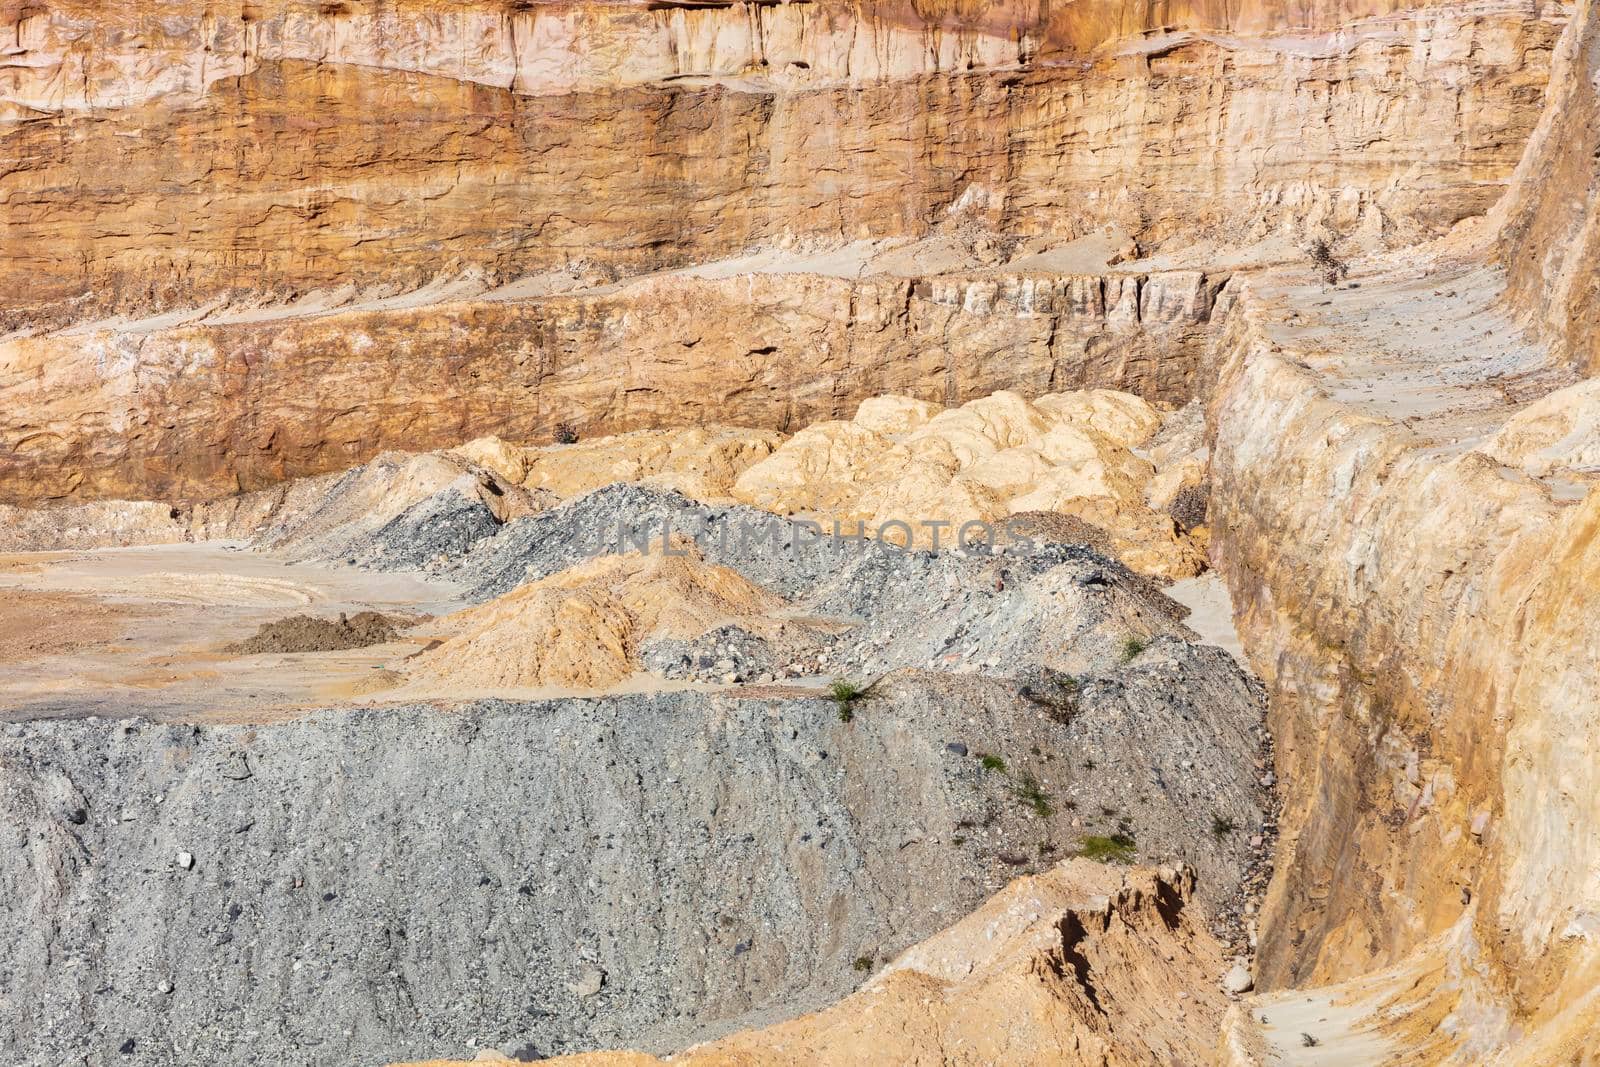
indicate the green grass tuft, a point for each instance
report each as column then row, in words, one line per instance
column 1118, row 848
column 844, row 695
column 1131, row 647
column 1030, row 793
column 992, row 763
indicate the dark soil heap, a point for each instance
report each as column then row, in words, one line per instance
column 304, row 633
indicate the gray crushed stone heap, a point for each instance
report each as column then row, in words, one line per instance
column 646, row 871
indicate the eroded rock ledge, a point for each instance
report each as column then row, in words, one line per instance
column 240, row 402
column 161, row 156
column 1419, row 606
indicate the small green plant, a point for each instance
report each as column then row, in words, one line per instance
column 958, row 839
column 844, row 695
column 863, row 963
column 1131, row 647
column 1030, row 793
column 1221, row 826
column 992, row 763
column 1118, row 848
column 565, row 434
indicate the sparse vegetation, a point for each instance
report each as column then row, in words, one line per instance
column 959, row 840
column 1032, row 794
column 1131, row 647
column 992, row 763
column 1221, row 826
column 1332, row 267
column 1309, row 1041
column 844, row 695
column 863, row 963
column 565, row 434
column 1117, row 848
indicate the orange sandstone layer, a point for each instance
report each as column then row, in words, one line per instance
column 164, row 155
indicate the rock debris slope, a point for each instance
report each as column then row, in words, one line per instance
column 1054, row 969
column 644, row 871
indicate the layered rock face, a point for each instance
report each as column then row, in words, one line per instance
column 1426, row 638
column 278, row 147
column 307, row 157
column 199, row 410
column 1549, row 236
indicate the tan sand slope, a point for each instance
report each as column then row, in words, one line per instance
column 701, row 461
column 911, row 461
column 583, row 627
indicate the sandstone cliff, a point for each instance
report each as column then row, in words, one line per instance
column 243, row 401
column 237, row 168
column 1424, row 637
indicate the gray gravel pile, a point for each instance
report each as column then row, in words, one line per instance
column 371, row 885
column 1061, row 606
column 784, row 556
column 427, row 535
column 728, row 654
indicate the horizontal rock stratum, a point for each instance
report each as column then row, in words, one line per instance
column 252, row 241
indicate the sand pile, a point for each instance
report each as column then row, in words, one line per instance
column 1557, row 434
column 585, row 627
column 700, row 462
column 905, row 460
column 306, row 633
column 1085, row 963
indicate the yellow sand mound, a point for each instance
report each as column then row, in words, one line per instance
column 906, row 460
column 582, row 628
column 701, row 462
